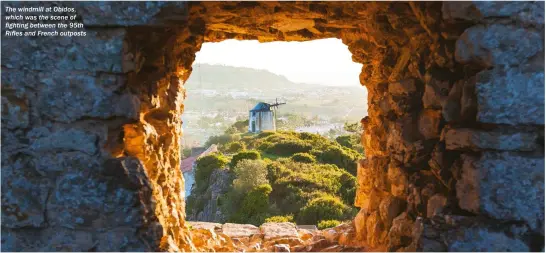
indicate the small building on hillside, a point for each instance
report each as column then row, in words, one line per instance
column 261, row 118
column 188, row 167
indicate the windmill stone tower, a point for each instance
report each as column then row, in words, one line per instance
column 263, row 117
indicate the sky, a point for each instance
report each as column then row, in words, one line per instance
column 326, row 61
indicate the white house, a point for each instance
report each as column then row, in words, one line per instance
column 261, row 118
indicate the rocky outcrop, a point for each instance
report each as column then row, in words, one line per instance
column 208, row 210
column 91, row 125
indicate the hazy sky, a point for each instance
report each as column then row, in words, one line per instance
column 326, row 61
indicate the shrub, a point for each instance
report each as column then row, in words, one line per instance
column 345, row 140
column 247, row 140
column 234, row 147
column 289, row 147
column 222, row 139
column 339, row 156
column 265, row 134
column 206, row 164
column 255, row 206
column 285, row 218
column 265, row 145
column 324, row 224
column 244, row 155
column 351, row 141
column 275, row 171
column 348, row 187
column 303, row 158
column 322, row 208
column 249, row 174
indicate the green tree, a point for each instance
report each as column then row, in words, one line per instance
column 249, row 174
column 206, row 164
column 352, row 127
column 255, row 206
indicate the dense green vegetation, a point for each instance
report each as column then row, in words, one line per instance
column 282, row 176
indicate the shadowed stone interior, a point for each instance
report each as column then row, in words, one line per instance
column 91, row 126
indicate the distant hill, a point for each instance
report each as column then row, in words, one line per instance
column 206, row 76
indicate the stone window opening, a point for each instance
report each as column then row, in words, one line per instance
column 453, row 138
column 198, row 86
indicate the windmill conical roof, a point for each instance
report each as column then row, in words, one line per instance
column 261, row 106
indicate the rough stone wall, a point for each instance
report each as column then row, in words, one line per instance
column 90, row 132
column 454, row 137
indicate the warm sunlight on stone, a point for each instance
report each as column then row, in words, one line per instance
column 453, row 138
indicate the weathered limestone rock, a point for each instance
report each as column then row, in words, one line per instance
column 239, row 230
column 451, row 109
column 50, row 239
column 401, row 99
column 403, row 141
column 460, row 233
column 511, row 96
column 400, row 232
column 398, row 180
column 435, row 205
column 360, row 225
column 282, row 248
column 71, row 139
column 504, row 186
column 15, row 111
column 429, row 123
column 219, row 183
column 274, row 237
column 402, row 88
column 273, row 230
column 527, row 12
column 389, row 208
column 69, row 96
column 497, row 45
column 376, row 232
column 372, row 173
column 475, row 239
column 471, row 139
column 24, row 194
column 437, row 86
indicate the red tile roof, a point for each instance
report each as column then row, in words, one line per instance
column 187, row 164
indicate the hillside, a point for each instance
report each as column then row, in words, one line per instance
column 275, row 176
column 220, row 95
column 219, row 77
